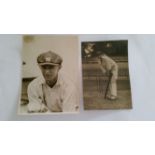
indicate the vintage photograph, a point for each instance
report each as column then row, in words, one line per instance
column 50, row 74
column 105, row 72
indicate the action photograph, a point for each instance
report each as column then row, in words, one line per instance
column 105, row 72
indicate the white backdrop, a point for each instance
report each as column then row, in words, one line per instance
column 142, row 73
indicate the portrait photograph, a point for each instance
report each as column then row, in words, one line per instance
column 105, row 73
column 50, row 74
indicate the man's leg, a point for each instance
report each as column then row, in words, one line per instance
column 113, row 84
column 108, row 86
column 113, row 89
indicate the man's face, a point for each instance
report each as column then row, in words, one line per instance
column 50, row 72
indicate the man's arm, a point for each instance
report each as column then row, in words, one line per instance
column 102, row 69
column 35, row 100
column 101, row 66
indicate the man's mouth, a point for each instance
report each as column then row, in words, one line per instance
column 48, row 78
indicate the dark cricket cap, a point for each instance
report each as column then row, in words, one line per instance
column 49, row 58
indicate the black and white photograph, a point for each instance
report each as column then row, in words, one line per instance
column 105, row 72
column 50, row 82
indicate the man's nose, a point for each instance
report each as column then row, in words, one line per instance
column 47, row 71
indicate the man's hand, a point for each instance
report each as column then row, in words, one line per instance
column 37, row 108
column 43, row 108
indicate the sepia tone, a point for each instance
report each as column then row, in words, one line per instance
column 44, row 56
column 96, row 83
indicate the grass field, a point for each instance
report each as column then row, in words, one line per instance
column 95, row 101
column 94, row 86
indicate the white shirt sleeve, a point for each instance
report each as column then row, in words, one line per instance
column 102, row 69
column 102, row 66
column 35, row 100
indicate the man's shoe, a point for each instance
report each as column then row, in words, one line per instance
column 111, row 97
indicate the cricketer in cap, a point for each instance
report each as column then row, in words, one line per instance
column 53, row 91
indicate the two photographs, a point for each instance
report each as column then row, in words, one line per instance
column 51, row 75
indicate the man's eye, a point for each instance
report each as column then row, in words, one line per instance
column 48, row 67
